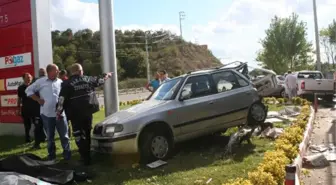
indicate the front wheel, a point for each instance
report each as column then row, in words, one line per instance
column 155, row 145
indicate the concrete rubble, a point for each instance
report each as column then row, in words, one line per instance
column 321, row 155
column 268, row 130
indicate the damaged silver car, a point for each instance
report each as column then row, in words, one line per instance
column 183, row 108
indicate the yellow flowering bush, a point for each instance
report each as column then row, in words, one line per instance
column 260, row 177
column 271, row 171
column 238, row 181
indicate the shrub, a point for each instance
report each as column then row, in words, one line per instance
column 281, row 100
column 238, row 181
column 274, row 162
column 260, row 177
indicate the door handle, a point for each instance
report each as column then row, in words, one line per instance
column 212, row 102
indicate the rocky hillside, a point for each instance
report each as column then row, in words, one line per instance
column 166, row 51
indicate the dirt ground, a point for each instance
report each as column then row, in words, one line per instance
column 324, row 133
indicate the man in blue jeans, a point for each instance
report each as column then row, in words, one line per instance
column 49, row 88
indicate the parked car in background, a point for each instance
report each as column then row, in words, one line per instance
column 313, row 82
column 267, row 84
column 280, row 79
column 183, row 108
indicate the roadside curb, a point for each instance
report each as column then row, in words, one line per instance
column 304, row 145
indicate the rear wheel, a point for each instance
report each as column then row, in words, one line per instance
column 257, row 114
column 155, row 144
column 283, row 93
column 329, row 98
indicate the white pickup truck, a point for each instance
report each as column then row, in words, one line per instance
column 313, row 82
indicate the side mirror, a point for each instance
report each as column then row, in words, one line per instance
column 186, row 94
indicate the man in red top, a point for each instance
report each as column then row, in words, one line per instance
column 63, row 75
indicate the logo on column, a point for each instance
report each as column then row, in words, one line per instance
column 9, row 100
column 13, row 83
column 23, row 59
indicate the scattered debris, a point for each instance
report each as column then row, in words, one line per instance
column 287, row 115
column 316, row 160
column 238, row 138
column 272, row 132
column 209, row 181
column 156, row 164
column 273, row 120
column 318, row 148
column 321, row 156
column 291, row 111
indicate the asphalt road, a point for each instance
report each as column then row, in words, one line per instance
column 126, row 97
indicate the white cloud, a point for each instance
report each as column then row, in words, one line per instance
column 234, row 35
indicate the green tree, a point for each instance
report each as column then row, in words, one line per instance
column 329, row 47
column 285, row 45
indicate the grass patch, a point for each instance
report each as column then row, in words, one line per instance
column 194, row 162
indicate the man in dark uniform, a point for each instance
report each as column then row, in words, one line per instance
column 79, row 99
column 63, row 75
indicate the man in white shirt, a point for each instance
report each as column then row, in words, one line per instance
column 49, row 88
column 291, row 85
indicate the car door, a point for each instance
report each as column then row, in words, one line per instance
column 234, row 96
column 195, row 114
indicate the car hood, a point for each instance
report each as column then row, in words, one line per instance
column 133, row 111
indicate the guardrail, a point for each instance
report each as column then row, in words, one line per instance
column 127, row 91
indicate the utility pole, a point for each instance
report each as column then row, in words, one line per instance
column 108, row 52
column 317, row 39
column 147, row 57
column 181, row 17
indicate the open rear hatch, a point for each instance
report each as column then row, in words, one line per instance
column 264, row 80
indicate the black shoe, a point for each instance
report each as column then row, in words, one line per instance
column 28, row 141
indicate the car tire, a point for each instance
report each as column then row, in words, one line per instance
column 155, row 144
column 283, row 93
column 257, row 114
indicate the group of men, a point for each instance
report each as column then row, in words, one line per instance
column 53, row 99
column 159, row 78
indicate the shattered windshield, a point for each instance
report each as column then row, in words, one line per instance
column 166, row 90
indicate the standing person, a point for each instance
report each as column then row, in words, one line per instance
column 154, row 84
column 42, row 72
column 24, row 104
column 49, row 88
column 291, row 85
column 78, row 96
column 164, row 76
column 30, row 111
column 63, row 75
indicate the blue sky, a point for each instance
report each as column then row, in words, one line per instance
column 232, row 29
column 147, row 12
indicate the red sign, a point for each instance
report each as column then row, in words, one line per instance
column 14, row 13
column 10, row 115
column 16, row 53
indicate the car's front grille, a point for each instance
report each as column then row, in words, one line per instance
column 98, row 130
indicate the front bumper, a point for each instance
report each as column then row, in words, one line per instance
column 126, row 144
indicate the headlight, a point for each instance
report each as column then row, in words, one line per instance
column 113, row 128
